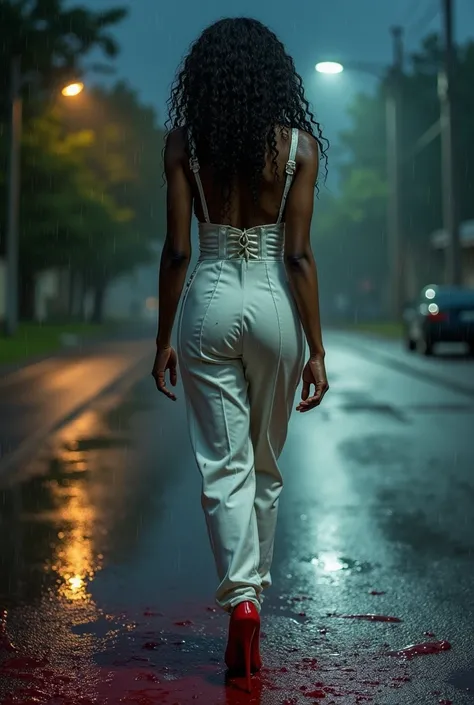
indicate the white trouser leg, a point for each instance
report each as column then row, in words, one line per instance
column 219, row 423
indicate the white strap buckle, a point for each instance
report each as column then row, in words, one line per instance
column 194, row 165
column 290, row 167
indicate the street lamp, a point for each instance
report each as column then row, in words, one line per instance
column 330, row 67
column 13, row 192
column 72, row 89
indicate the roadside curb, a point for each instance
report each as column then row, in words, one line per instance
column 27, row 448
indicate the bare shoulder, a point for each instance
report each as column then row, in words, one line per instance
column 308, row 149
column 175, row 148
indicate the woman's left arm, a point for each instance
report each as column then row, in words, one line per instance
column 175, row 257
column 176, row 252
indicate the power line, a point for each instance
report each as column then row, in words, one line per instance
column 431, row 12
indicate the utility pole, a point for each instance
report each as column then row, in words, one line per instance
column 449, row 150
column 394, row 151
column 13, row 203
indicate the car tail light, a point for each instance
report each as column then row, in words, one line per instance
column 438, row 316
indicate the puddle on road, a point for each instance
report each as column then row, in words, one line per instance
column 58, row 513
column 329, row 562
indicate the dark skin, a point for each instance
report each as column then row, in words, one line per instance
column 300, row 265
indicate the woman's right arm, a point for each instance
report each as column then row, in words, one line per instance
column 301, row 267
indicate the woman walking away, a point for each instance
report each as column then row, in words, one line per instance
column 243, row 153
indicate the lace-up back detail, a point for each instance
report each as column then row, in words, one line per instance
column 257, row 243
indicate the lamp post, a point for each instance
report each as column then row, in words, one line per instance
column 13, row 191
column 449, row 149
column 394, row 151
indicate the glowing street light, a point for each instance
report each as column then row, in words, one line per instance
column 329, row 67
column 72, row 89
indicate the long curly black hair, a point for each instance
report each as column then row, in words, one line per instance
column 235, row 86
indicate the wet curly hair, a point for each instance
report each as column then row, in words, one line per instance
column 234, row 87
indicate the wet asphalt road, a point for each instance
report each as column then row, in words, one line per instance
column 108, row 580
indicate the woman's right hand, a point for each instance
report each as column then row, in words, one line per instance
column 314, row 373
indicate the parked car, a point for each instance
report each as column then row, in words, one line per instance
column 441, row 314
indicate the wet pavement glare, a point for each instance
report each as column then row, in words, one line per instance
column 107, row 579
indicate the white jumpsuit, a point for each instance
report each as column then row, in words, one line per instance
column 241, row 353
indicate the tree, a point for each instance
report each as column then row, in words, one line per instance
column 125, row 156
column 91, row 197
column 68, row 219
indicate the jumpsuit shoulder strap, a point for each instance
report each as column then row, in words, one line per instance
column 194, row 166
column 290, row 170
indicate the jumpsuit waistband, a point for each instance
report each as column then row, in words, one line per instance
column 264, row 242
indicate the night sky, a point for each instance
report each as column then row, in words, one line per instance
column 157, row 33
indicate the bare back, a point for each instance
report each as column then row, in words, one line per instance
column 244, row 212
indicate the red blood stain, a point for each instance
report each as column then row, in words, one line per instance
column 184, row 623
column 423, row 649
column 376, row 592
column 301, row 614
column 147, row 677
column 21, row 663
column 369, row 617
column 445, row 702
column 149, row 613
column 151, row 645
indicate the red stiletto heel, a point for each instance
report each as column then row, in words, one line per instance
column 242, row 652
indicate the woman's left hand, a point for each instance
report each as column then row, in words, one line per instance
column 165, row 359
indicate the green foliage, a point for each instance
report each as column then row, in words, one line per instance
column 68, row 218
column 90, row 191
column 125, row 155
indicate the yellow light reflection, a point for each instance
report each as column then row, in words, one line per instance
column 75, row 561
column 76, row 583
column 72, row 89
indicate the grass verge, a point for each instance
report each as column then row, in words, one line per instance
column 36, row 339
column 386, row 329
